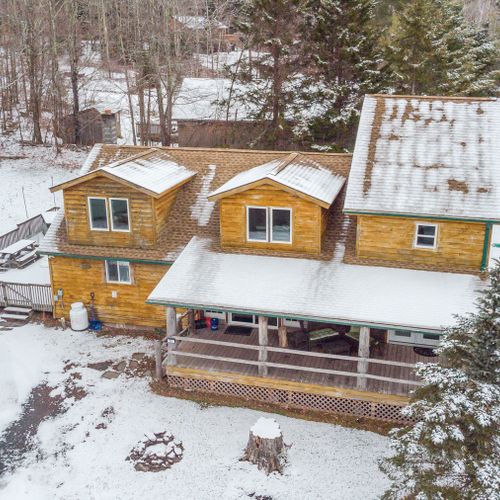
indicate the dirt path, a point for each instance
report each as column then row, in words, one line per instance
column 20, row 437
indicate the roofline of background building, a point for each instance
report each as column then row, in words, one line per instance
column 431, row 97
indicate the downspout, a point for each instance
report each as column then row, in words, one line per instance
column 484, row 260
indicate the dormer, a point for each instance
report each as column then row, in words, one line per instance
column 124, row 204
column 281, row 205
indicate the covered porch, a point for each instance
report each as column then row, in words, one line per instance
column 319, row 354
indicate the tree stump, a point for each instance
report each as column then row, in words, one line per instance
column 265, row 446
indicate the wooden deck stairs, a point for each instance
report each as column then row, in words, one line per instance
column 12, row 313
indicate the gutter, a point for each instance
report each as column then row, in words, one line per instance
column 95, row 257
column 416, row 216
column 382, row 326
column 484, row 258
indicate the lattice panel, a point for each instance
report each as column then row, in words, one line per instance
column 295, row 399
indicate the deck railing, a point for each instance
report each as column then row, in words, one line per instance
column 35, row 296
column 361, row 376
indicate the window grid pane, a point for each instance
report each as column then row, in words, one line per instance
column 257, row 224
column 112, row 267
column 119, row 215
column 98, row 215
column 124, row 270
column 281, row 225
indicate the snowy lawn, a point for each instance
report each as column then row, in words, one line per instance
column 80, row 453
column 35, row 169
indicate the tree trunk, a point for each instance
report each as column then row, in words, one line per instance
column 265, row 446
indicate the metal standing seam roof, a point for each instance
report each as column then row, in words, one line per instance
column 427, row 156
column 153, row 170
column 316, row 290
column 295, row 172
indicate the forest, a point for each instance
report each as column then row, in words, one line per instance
column 300, row 68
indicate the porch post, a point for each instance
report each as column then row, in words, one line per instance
column 282, row 337
column 191, row 321
column 171, row 332
column 363, row 352
column 263, row 342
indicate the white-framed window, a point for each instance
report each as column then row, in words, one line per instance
column 118, row 271
column 281, row 225
column 257, row 228
column 426, row 235
column 120, row 214
column 98, row 214
column 414, row 338
column 269, row 224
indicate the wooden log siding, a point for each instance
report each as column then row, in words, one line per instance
column 37, row 297
column 78, row 277
column 260, row 362
column 162, row 207
column 142, row 215
column 307, row 220
column 391, row 239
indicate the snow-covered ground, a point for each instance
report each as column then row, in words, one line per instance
column 81, row 454
column 36, row 273
column 33, row 169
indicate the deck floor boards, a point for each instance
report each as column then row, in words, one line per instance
column 390, row 352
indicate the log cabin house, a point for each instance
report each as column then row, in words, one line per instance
column 312, row 280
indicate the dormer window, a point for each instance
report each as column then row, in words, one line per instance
column 269, row 224
column 98, row 214
column 120, row 218
column 426, row 236
column 103, row 212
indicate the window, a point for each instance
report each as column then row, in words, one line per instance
column 269, row 224
column 257, row 224
column 119, row 214
column 98, row 213
column 425, row 236
column 118, row 271
column 281, row 219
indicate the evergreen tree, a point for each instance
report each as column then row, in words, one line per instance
column 269, row 28
column 434, row 51
column 342, row 62
column 453, row 450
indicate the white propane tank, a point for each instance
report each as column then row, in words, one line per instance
column 78, row 316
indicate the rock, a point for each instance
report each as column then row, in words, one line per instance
column 120, row 367
column 110, row 375
column 137, row 356
column 133, row 365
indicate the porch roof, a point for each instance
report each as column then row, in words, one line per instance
column 316, row 290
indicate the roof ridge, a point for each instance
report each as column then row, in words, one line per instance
column 284, row 163
column 117, row 163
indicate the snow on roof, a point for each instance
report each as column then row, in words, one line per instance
column 427, row 156
column 153, row 170
column 204, row 99
column 296, row 172
column 317, row 290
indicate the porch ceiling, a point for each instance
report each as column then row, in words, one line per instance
column 315, row 290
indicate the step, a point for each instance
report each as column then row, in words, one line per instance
column 19, row 317
column 16, row 309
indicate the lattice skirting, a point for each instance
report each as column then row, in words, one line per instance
column 293, row 399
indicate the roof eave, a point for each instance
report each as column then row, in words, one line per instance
column 414, row 215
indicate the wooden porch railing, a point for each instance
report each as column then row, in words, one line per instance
column 359, row 376
column 37, row 297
